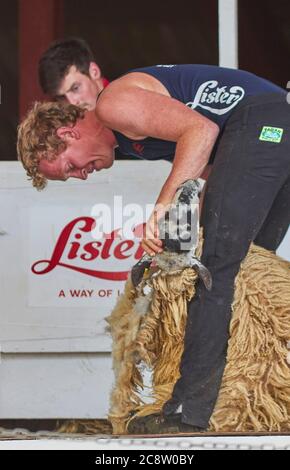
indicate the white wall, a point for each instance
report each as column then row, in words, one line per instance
column 55, row 359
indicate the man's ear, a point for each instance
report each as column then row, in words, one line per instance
column 94, row 71
column 67, row 133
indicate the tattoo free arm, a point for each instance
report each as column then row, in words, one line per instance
column 138, row 113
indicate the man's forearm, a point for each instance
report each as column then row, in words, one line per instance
column 206, row 172
column 191, row 158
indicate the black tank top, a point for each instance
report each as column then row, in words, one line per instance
column 213, row 91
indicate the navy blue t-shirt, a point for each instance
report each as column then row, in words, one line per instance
column 214, row 92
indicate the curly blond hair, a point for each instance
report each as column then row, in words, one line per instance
column 37, row 136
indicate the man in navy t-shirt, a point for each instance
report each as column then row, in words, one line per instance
column 191, row 115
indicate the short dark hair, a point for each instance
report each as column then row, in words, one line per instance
column 58, row 58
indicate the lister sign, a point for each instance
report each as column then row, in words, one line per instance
column 76, row 251
column 61, row 269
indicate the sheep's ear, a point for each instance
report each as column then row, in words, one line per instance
column 203, row 273
column 138, row 269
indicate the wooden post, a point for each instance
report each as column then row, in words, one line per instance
column 40, row 23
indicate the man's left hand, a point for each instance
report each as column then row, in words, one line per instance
column 151, row 243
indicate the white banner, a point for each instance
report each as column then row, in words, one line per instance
column 60, row 279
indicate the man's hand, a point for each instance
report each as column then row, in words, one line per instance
column 151, row 243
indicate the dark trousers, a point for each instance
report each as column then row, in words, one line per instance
column 247, row 199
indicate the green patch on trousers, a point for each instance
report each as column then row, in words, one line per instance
column 271, row 134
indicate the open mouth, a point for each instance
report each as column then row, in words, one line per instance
column 97, row 164
column 90, row 168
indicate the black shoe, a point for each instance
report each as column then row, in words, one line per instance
column 161, row 424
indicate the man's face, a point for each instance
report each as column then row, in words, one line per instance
column 90, row 147
column 80, row 89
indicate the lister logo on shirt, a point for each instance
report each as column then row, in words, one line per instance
column 210, row 94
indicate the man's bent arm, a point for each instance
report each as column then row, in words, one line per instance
column 136, row 111
column 184, row 165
